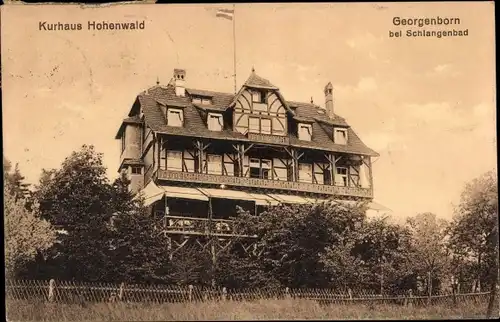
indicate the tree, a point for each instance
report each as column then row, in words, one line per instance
column 78, row 200
column 474, row 231
column 25, row 234
column 374, row 256
column 429, row 253
column 138, row 253
column 15, row 181
column 237, row 269
column 293, row 238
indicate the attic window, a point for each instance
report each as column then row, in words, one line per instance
column 215, row 122
column 258, row 96
column 340, row 136
column 305, row 132
column 174, row 117
column 202, row 100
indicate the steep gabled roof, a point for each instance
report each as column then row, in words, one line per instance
column 154, row 98
column 220, row 101
column 194, row 125
column 259, row 82
column 313, row 113
column 255, row 81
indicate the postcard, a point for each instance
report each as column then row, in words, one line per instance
column 251, row 160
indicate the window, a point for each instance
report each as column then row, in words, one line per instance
column 214, row 164
column 258, row 96
column 265, row 126
column 174, row 160
column 340, row 136
column 136, row 170
column 305, row 132
column 341, row 177
column 259, row 125
column 215, row 122
column 189, row 161
column 254, row 125
column 260, row 168
column 201, row 100
column 163, row 157
column 174, row 117
column 305, row 172
column 326, row 176
column 123, row 141
column 265, row 169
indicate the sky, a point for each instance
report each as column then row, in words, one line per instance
column 426, row 105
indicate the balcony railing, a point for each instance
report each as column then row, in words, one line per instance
column 199, row 226
column 266, row 138
column 264, row 183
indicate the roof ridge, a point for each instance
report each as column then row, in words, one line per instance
column 255, row 80
column 209, row 90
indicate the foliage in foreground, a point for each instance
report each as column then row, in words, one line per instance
column 252, row 310
column 111, row 238
column 26, row 234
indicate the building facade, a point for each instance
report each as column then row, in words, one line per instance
column 197, row 154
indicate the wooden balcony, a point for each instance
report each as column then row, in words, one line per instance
column 268, row 139
column 197, row 226
column 264, row 183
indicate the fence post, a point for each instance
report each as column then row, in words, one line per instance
column 454, row 292
column 287, row 293
column 410, row 298
column 190, row 293
column 121, row 291
column 224, row 293
column 52, row 287
column 350, row 293
column 429, row 285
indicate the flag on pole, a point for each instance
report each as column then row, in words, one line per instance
column 225, row 13
column 229, row 14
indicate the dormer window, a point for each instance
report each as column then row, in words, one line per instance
column 175, row 117
column 202, row 100
column 215, row 122
column 305, row 132
column 340, row 136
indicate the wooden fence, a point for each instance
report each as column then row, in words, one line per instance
column 77, row 292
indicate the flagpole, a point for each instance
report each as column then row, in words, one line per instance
column 234, row 45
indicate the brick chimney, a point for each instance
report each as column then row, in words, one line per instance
column 179, row 82
column 329, row 100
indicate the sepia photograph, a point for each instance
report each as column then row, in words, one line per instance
column 249, row 161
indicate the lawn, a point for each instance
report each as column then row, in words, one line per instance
column 232, row 310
